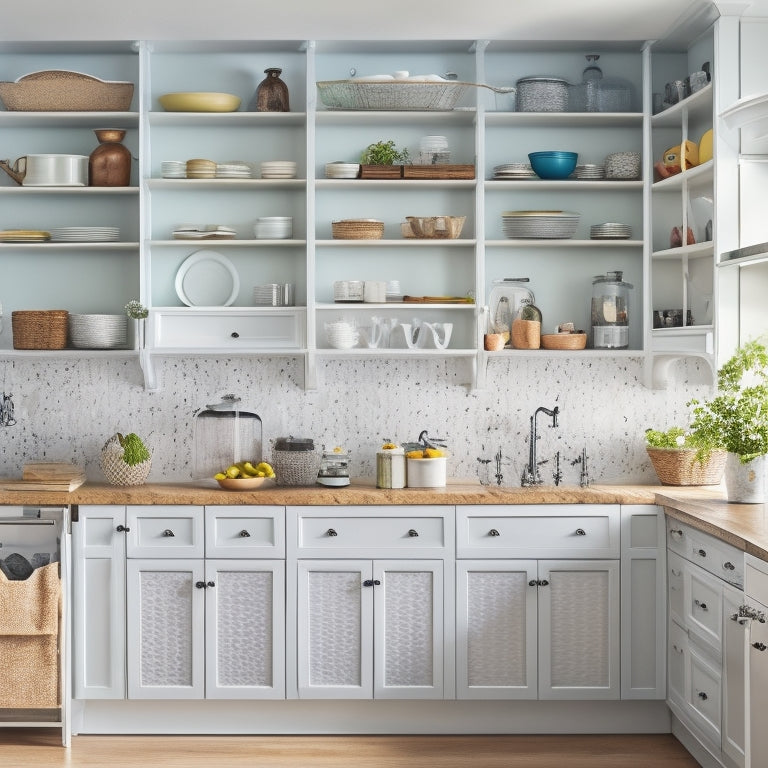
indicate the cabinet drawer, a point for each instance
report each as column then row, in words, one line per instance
column 704, row 607
column 382, row 532
column 165, row 531
column 233, row 330
column 538, row 531
column 705, row 683
column 244, row 532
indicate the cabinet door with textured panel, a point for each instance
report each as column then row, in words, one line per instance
column 335, row 629
column 579, row 629
column 408, row 629
column 244, row 626
column 166, row 607
column 496, row 617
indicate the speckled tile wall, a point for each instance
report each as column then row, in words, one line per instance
column 68, row 409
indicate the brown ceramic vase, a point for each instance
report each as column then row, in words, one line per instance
column 272, row 93
column 110, row 163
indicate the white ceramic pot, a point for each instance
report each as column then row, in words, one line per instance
column 746, row 483
column 427, row 473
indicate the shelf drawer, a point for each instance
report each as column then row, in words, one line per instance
column 539, row 531
column 400, row 532
column 165, row 531
column 244, row 532
column 231, row 330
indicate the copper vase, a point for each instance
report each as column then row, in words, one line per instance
column 109, row 164
column 271, row 94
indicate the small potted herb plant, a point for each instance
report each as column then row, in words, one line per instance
column 383, row 160
column 680, row 458
column 736, row 420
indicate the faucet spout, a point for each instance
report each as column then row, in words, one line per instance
column 531, row 474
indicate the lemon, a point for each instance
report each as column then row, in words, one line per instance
column 233, row 471
column 219, row 476
column 249, row 469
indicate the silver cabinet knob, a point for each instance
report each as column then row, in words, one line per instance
column 493, row 532
column 168, row 533
column 331, row 532
column 581, row 532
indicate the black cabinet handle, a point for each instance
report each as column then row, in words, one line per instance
column 676, row 532
column 493, row 532
column 331, row 532
column 759, row 646
column 244, row 534
column 701, row 552
column 581, row 532
column 533, row 583
column 200, row 584
column 538, row 583
column 123, row 529
column 235, row 335
column 168, row 533
column 701, row 605
column 703, row 696
column 543, row 583
column 729, row 566
column 371, row 583
column 211, row 584
column 413, row 532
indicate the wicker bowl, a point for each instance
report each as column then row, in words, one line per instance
column 679, row 466
column 564, row 340
column 357, row 229
column 435, row 227
column 39, row 329
column 391, row 94
column 118, row 472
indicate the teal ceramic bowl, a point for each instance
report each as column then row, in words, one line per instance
column 553, row 165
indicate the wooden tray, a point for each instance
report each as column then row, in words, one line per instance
column 381, row 171
column 439, row 171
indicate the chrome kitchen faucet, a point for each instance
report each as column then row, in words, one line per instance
column 531, row 474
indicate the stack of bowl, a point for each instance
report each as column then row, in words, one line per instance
column 278, row 169
column 199, row 168
column 342, row 334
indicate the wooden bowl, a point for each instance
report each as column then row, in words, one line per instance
column 564, row 340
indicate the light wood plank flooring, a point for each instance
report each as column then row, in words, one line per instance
column 23, row 748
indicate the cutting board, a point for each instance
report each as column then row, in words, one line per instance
column 53, row 471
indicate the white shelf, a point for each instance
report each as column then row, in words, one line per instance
column 79, row 247
column 230, row 243
column 194, row 185
column 84, row 191
column 697, row 105
column 695, row 251
column 393, row 305
column 384, row 184
column 358, row 352
column 405, row 242
column 572, row 185
column 227, row 119
column 562, row 243
column 12, row 119
column 750, row 109
column 566, row 119
column 699, row 174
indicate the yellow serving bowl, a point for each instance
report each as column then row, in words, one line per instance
column 200, row 102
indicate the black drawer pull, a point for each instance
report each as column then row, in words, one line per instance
column 244, row 534
column 759, row 646
column 701, row 605
column 371, row 583
column 211, row 584
column 581, row 532
column 168, row 533
column 533, row 583
column 703, row 696
column 331, row 532
column 123, row 529
column 413, row 532
column 701, row 552
column 200, row 584
column 676, row 532
column 729, row 566
column 235, row 335
column 493, row 532
column 543, row 583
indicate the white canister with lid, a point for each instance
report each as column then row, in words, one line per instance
column 390, row 467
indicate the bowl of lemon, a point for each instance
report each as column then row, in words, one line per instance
column 245, row 476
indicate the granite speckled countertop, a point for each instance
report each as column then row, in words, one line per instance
column 743, row 525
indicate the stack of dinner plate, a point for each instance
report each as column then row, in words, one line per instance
column 273, row 228
column 173, row 169
column 234, row 169
column 97, row 331
column 540, row 224
column 610, row 231
column 278, row 169
column 85, row 234
column 589, row 171
column 513, row 171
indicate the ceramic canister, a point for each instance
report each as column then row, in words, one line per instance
column 390, row 468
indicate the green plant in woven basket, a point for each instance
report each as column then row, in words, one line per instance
column 674, row 437
column 384, row 153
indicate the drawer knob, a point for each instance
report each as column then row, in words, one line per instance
column 543, row 583
column 371, row 583
column 413, row 532
column 701, row 605
column 676, row 532
column 729, row 566
column 581, row 532
column 200, row 584
column 703, row 696
column 701, row 552
column 123, row 529
column 211, row 584
column 235, row 335
column 331, row 532
column 205, row 584
column 759, row 646
column 168, row 533
column 244, row 534
column 533, row 583
column 493, row 532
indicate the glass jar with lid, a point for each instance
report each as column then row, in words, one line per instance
column 504, row 301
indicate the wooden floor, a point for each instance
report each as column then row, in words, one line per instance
column 20, row 748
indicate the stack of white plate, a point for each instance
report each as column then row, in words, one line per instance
column 234, row 169
column 209, row 232
column 513, row 171
column 610, row 231
column 173, row 169
column 341, row 170
column 556, row 225
column 97, row 331
column 278, row 169
column 273, row 228
column 85, row 234
column 589, row 171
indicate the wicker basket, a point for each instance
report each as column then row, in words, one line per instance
column 436, row 227
column 296, row 467
column 116, row 470
column 39, row 329
column 564, row 340
column 390, row 94
column 679, row 466
column 357, row 229
column 526, row 334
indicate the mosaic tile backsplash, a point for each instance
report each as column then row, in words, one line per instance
column 68, row 408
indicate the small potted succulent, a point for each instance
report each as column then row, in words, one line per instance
column 681, row 458
column 383, row 160
column 736, row 420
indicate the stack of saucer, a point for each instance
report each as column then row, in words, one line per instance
column 201, row 169
column 589, row 171
column 340, row 170
column 610, row 231
column 173, row 169
column 278, row 169
column 234, row 169
column 513, row 171
column 85, row 234
column 273, row 228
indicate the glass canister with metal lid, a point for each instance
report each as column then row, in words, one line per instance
column 334, row 467
column 504, row 301
column 610, row 311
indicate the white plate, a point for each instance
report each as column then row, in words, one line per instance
column 207, row 279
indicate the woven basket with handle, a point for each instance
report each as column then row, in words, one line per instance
column 680, row 466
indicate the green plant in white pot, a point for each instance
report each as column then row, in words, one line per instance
column 736, row 420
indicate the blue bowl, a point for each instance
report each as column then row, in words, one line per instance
column 553, row 165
